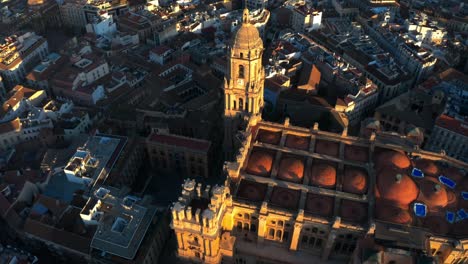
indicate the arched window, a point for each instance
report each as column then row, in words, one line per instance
column 234, row 105
column 241, row 71
column 241, row 104
column 241, row 55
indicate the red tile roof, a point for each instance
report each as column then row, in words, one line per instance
column 10, row 126
column 160, row 50
column 452, row 124
column 185, row 142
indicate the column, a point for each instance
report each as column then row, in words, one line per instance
column 261, row 228
column 329, row 245
column 295, row 236
column 180, row 241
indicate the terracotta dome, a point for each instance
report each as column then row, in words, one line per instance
column 284, row 197
column 291, row 169
column 392, row 214
column 436, row 224
column 433, row 193
column 452, row 199
column 427, row 166
column 453, row 173
column 355, row 180
column 323, row 175
column 396, row 187
column 260, row 163
column 356, row 153
column 392, row 158
column 319, row 204
column 353, row 211
column 35, row 2
column 247, row 37
column 327, row 148
column 252, row 191
column 297, row 142
column 269, row 137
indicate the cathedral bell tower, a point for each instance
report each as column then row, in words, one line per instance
column 243, row 84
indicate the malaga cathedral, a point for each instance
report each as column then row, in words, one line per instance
column 302, row 195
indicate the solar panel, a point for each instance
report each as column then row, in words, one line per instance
column 420, row 209
column 462, row 214
column 417, row 173
column 447, row 182
column 464, row 195
column 450, row 216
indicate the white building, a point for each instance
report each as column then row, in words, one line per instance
column 305, row 18
column 160, row 54
column 17, row 131
column 20, row 100
column 19, row 54
column 102, row 25
column 450, row 135
column 356, row 107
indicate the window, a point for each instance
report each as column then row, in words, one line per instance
column 278, row 230
column 241, row 55
column 241, row 104
column 345, row 244
column 241, row 71
column 312, row 238
column 245, row 222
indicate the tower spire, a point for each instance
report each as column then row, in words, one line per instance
column 245, row 15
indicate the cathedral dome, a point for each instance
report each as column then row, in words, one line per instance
column 291, row 169
column 327, row 147
column 247, row 37
column 319, row 204
column 269, row 137
column 356, row 153
column 297, row 142
column 393, row 214
column 355, row 180
column 394, row 158
column 427, row 166
column 353, row 211
column 260, row 163
column 396, row 187
column 323, row 175
column 433, row 194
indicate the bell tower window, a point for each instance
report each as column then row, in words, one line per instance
column 241, row 71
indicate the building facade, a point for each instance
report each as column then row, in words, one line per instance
column 19, row 55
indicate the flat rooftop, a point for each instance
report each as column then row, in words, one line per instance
column 122, row 226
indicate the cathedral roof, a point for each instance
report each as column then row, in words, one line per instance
column 291, row 169
column 396, row 187
column 260, row 163
column 323, row 175
column 427, row 166
column 247, row 37
column 355, row 180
